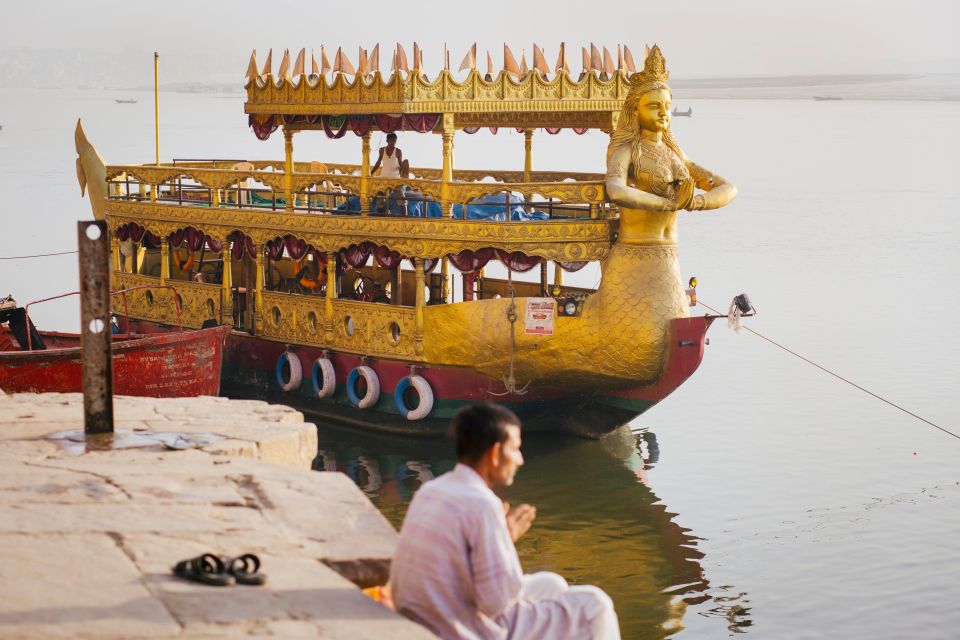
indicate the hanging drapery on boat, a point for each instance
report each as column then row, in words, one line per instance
column 275, row 249
column 494, row 130
column 580, row 130
column 388, row 123
column 136, row 233
column 518, row 261
column 263, row 126
column 243, row 244
column 296, row 247
column 421, row 122
column 572, row 266
column 214, row 245
column 338, row 123
column 468, row 261
column 471, row 130
column 361, row 124
column 552, row 130
column 356, row 255
column 386, row 258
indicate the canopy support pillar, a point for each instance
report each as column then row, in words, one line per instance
column 418, row 326
column 445, row 279
column 395, row 291
column 288, row 169
column 258, row 307
column 446, row 200
column 226, row 281
column 543, row 277
column 164, row 261
column 365, row 175
column 557, row 274
column 331, row 294
column 527, row 154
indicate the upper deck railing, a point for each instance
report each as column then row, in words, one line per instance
column 340, row 189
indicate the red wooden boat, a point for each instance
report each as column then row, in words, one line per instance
column 159, row 365
column 178, row 363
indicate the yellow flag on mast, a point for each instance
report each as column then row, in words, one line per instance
column 469, row 60
column 298, row 65
column 268, row 64
column 252, row 67
column 284, row 71
column 540, row 62
column 628, row 60
column 510, row 63
column 562, row 64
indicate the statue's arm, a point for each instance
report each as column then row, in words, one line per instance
column 621, row 194
column 719, row 192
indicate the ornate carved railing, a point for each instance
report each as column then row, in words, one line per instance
column 330, row 192
column 563, row 240
column 199, row 302
column 363, row 328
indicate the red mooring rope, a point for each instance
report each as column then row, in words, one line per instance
column 838, row 376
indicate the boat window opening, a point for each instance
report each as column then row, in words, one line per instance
column 275, row 316
column 312, row 321
column 348, row 325
column 210, row 309
column 395, row 332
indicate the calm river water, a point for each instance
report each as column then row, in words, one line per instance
column 764, row 497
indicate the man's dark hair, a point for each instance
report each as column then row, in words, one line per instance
column 391, row 136
column 477, row 427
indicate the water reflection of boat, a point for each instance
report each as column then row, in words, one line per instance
column 820, row 98
column 598, row 523
column 686, row 114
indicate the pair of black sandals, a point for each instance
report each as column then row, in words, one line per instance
column 221, row 572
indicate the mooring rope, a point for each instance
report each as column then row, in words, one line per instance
column 38, row 255
column 838, row 376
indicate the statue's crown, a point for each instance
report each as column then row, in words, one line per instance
column 654, row 69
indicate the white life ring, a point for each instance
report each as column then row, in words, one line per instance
column 324, row 378
column 296, row 371
column 425, row 393
column 373, row 387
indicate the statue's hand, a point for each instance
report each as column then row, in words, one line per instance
column 685, row 191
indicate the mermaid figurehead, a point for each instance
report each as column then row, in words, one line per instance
column 648, row 176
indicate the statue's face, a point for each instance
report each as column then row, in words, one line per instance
column 653, row 112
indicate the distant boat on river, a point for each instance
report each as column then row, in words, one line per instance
column 122, row 101
column 688, row 113
column 827, row 98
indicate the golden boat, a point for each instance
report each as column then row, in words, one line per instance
column 340, row 283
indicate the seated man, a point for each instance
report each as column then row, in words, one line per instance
column 456, row 569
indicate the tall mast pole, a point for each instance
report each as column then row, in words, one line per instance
column 156, row 104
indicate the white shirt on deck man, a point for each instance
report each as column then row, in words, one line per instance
column 456, row 571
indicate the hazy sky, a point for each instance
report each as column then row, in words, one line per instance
column 699, row 37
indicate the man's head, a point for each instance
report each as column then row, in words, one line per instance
column 391, row 139
column 487, row 438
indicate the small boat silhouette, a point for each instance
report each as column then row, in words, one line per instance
column 688, row 113
column 827, row 98
column 121, row 101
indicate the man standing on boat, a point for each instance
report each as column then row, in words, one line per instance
column 456, row 570
column 390, row 157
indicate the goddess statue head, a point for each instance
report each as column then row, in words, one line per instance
column 646, row 87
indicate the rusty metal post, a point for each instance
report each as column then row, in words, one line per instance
column 93, row 245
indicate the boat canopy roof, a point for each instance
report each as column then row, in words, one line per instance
column 340, row 97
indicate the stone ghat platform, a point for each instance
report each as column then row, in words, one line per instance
column 89, row 530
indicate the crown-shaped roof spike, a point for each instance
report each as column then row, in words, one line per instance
column 654, row 69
